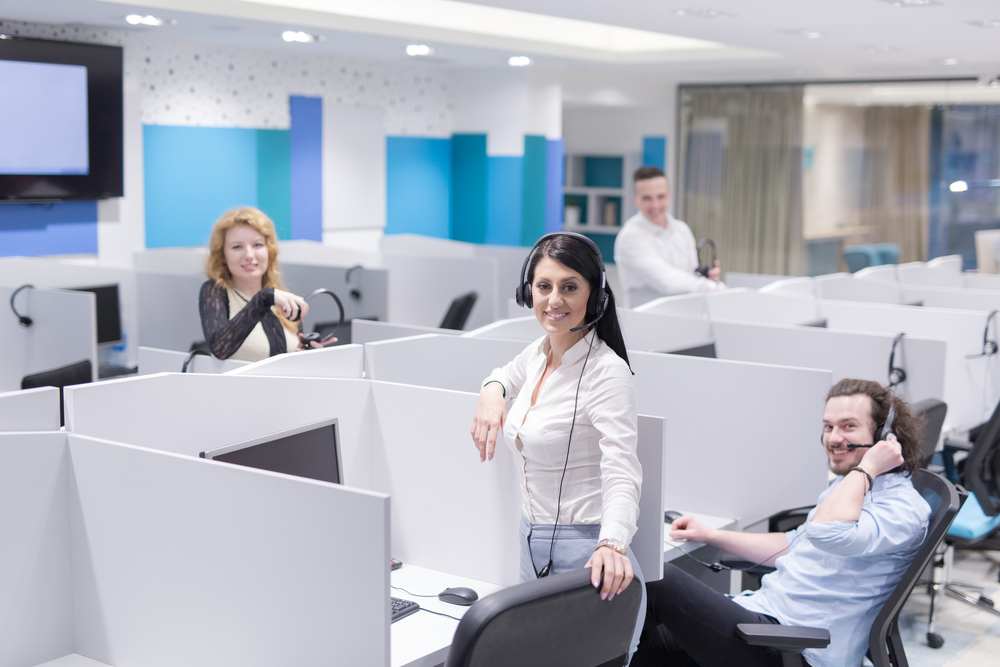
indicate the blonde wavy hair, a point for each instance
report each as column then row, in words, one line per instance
column 216, row 267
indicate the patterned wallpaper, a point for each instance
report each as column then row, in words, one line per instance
column 209, row 85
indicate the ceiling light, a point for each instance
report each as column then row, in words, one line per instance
column 911, row 3
column 519, row 61
column 702, row 13
column 808, row 33
column 6, row 37
column 419, row 50
column 139, row 19
column 959, row 186
column 950, row 61
column 986, row 23
column 299, row 36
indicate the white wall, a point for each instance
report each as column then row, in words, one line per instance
column 353, row 167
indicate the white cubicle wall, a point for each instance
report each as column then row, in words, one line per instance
column 742, row 305
column 952, row 297
column 847, row 287
column 847, row 354
column 651, row 332
column 971, row 385
column 342, row 361
column 948, row 263
column 981, row 281
column 171, row 260
column 884, row 272
column 30, row 410
column 685, row 305
column 63, row 332
column 728, row 423
column 153, row 360
column 366, row 295
column 519, row 328
column 365, row 331
column 801, row 287
column 749, row 280
column 920, row 274
column 130, row 556
column 168, row 309
column 62, row 275
column 446, row 362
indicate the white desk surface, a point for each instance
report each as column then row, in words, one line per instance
column 674, row 548
column 422, row 639
column 73, row 660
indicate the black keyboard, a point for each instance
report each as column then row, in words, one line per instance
column 403, row 608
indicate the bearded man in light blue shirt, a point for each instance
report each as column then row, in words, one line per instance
column 834, row 571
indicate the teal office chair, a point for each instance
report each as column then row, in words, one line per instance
column 861, row 256
column 888, row 253
column 551, row 622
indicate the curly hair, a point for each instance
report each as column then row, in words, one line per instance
column 907, row 426
column 216, row 267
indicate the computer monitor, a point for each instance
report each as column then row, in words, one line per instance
column 305, row 451
column 109, row 319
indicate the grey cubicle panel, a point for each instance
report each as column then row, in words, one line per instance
column 919, row 274
column 801, row 287
column 742, row 305
column 651, row 332
column 847, row 287
column 153, row 360
column 169, row 318
column 959, row 298
column 171, row 260
column 728, row 424
column 339, row 361
column 422, row 288
column 751, row 280
column 685, row 305
column 63, row 332
column 520, row 328
column 64, row 274
column 30, row 410
column 365, row 331
column 371, row 285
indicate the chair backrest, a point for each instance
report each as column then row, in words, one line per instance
column 860, row 256
column 79, row 373
column 884, row 641
column 459, row 311
column 558, row 620
column 982, row 468
column 933, row 412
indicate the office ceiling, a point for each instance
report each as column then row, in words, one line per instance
column 755, row 40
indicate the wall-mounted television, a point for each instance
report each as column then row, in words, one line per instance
column 62, row 120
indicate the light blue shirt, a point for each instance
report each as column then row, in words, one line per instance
column 837, row 575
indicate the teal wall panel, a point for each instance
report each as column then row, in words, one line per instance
column 469, row 188
column 418, row 186
column 603, row 172
column 274, row 180
column 503, row 226
column 654, row 152
column 192, row 176
column 534, row 189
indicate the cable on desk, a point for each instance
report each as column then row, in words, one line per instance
column 397, row 588
column 437, row 613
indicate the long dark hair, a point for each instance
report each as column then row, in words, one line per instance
column 577, row 255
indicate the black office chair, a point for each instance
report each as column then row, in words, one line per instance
column 885, row 646
column 552, row 622
column 933, row 412
column 459, row 311
column 79, row 373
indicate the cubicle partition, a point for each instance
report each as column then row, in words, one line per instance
column 847, row 354
column 959, row 298
column 743, row 305
column 750, row 280
column 846, row 287
column 920, row 274
column 365, row 294
column 728, row 423
column 651, row 332
column 30, row 410
column 130, row 556
column 53, row 274
column 520, row 328
column 458, row 363
column 153, row 360
column 171, row 260
column 685, row 305
column 364, row 331
column 341, row 361
column 801, row 287
column 168, row 309
column 971, row 381
column 63, row 332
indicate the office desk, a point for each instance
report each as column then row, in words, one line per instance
column 423, row 639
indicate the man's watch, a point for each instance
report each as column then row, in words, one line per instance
column 614, row 545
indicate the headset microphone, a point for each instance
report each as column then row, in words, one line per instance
column 314, row 337
column 23, row 320
column 989, row 346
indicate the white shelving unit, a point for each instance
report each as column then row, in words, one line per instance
column 604, row 208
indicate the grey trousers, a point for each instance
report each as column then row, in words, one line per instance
column 573, row 546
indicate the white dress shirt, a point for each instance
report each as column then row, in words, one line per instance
column 603, row 476
column 657, row 259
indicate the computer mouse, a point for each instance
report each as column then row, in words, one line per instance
column 670, row 515
column 461, row 595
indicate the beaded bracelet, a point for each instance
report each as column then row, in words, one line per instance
column 871, row 482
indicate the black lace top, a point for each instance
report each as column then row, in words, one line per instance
column 224, row 335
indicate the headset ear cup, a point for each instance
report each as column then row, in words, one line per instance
column 526, row 296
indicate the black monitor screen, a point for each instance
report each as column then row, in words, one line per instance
column 109, row 319
column 311, row 453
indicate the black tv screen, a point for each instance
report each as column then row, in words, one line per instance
column 62, row 120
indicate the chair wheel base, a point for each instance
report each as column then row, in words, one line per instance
column 985, row 600
column 935, row 640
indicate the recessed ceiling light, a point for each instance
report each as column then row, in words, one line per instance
column 808, row 33
column 879, row 48
column 419, row 50
column 6, row 37
column 986, row 23
column 299, row 36
column 519, row 61
column 911, row 3
column 702, row 13
column 950, row 61
column 139, row 19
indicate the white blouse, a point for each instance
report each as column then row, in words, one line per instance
column 603, row 476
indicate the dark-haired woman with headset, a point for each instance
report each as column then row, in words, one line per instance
column 572, row 423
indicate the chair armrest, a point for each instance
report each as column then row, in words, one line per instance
column 755, row 569
column 958, row 445
column 783, row 637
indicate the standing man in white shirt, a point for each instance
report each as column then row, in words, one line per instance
column 655, row 252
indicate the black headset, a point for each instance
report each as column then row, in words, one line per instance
column 315, row 337
column 703, row 270
column 598, row 301
column 194, row 353
column 989, row 346
column 882, row 431
column 353, row 290
column 23, row 320
column 896, row 375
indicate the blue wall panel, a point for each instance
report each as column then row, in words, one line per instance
column 418, row 186
column 469, row 188
column 555, row 163
column 654, row 152
column 535, row 182
column 192, row 176
column 307, row 167
column 67, row 228
column 503, row 223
